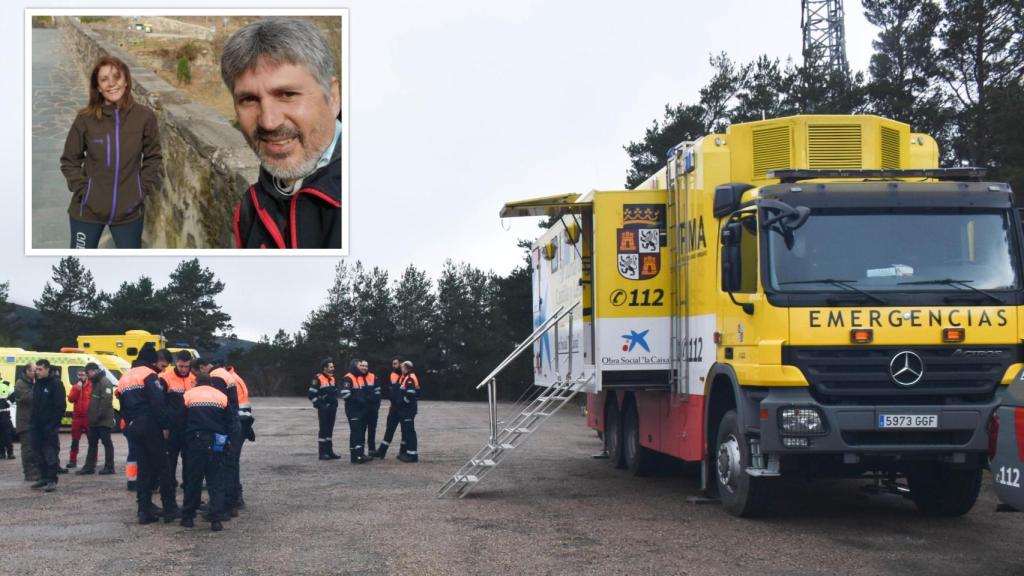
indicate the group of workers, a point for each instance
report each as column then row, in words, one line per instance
column 362, row 394
column 172, row 407
column 195, row 410
column 175, row 407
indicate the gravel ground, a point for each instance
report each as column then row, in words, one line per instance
column 548, row 510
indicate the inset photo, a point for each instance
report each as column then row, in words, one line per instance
column 176, row 131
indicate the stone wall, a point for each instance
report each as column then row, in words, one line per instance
column 207, row 163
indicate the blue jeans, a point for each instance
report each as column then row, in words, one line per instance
column 87, row 234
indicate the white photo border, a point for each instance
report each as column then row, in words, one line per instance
column 191, row 252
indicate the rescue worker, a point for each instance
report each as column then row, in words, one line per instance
column 79, row 396
column 177, row 380
column 48, row 405
column 323, row 392
column 131, row 467
column 245, row 420
column 22, row 422
column 409, row 388
column 227, row 383
column 373, row 397
column 144, row 409
column 356, row 391
column 100, row 416
column 6, row 427
column 392, row 420
column 208, row 420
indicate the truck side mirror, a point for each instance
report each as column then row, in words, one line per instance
column 727, row 198
column 731, row 270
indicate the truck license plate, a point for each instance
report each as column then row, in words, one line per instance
column 908, row 421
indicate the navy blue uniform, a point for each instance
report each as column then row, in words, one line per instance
column 323, row 393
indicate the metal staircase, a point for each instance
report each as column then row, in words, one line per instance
column 533, row 410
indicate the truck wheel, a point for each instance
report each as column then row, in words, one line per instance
column 639, row 460
column 741, row 495
column 941, row 490
column 613, row 434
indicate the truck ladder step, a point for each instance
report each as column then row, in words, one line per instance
column 520, row 427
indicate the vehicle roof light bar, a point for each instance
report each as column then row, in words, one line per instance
column 964, row 174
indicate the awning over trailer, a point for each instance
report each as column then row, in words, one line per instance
column 546, row 206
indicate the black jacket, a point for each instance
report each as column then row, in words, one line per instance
column 143, row 396
column 311, row 218
column 323, row 391
column 49, row 401
column 207, row 410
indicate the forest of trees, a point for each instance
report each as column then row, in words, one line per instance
column 952, row 68
column 455, row 329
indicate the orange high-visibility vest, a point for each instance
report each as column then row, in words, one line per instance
column 176, row 383
column 410, row 377
column 243, row 391
column 205, row 396
column 133, row 379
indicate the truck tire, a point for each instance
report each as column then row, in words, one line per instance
column 613, row 434
column 941, row 490
column 741, row 495
column 639, row 460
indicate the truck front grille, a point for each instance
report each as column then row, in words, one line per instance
column 861, row 374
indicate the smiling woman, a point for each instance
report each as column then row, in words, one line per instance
column 111, row 161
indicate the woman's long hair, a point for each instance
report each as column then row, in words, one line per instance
column 95, row 105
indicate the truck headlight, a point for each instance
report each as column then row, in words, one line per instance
column 801, row 421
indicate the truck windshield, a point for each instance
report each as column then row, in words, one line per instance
column 895, row 251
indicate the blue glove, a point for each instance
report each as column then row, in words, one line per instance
column 219, row 442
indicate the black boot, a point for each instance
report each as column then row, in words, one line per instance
column 330, row 450
column 322, row 451
column 382, row 450
column 147, row 515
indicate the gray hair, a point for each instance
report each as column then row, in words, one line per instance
column 407, row 364
column 280, row 41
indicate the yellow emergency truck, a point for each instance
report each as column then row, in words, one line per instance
column 807, row 295
column 125, row 345
column 67, row 364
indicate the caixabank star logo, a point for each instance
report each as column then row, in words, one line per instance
column 640, row 240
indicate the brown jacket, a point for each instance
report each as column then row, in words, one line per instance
column 112, row 163
column 23, row 398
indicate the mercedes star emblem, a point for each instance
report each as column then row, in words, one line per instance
column 906, row 368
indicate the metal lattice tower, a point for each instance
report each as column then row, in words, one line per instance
column 824, row 38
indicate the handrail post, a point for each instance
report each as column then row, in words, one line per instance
column 569, row 371
column 492, row 407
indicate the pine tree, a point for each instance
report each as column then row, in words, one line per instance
column 193, row 316
column 415, row 315
column 902, row 84
column 374, row 318
column 68, row 306
column 766, row 91
column 329, row 330
column 7, row 317
column 135, row 305
column 980, row 63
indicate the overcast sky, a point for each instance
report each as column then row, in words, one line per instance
column 457, row 106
